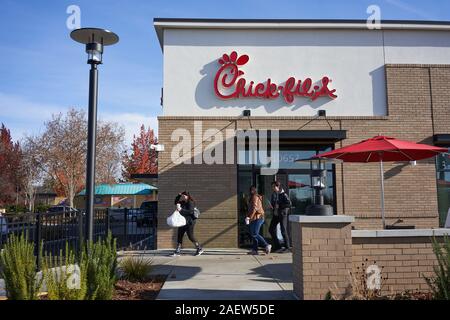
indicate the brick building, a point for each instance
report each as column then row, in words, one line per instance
column 393, row 81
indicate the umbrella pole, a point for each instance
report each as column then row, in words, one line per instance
column 382, row 194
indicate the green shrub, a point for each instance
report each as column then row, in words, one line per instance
column 65, row 278
column 440, row 283
column 95, row 268
column 16, row 209
column 18, row 269
column 41, row 207
column 135, row 269
column 328, row 296
column 101, row 262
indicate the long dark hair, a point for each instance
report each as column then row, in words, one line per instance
column 277, row 184
column 186, row 193
column 250, row 191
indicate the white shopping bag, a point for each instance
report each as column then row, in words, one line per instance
column 279, row 235
column 447, row 221
column 176, row 220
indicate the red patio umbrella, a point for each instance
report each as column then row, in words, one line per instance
column 293, row 184
column 380, row 149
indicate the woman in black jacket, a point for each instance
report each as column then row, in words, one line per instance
column 185, row 205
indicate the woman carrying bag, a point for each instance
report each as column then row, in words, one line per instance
column 255, row 220
column 186, row 207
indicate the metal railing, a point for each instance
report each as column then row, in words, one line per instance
column 133, row 228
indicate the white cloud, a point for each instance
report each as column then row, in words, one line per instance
column 24, row 117
column 17, row 107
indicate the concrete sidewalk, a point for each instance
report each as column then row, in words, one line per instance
column 224, row 274
column 220, row 274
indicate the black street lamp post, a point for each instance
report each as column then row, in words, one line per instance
column 94, row 39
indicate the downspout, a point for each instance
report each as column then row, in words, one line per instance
column 342, row 174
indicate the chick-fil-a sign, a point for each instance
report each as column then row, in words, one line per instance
column 229, row 84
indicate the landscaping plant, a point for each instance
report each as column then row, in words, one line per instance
column 65, row 278
column 440, row 283
column 18, row 269
column 40, row 207
column 359, row 288
column 360, row 283
column 101, row 262
column 135, row 269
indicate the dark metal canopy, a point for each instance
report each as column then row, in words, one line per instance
column 307, row 135
column 317, row 135
column 94, row 35
column 441, row 139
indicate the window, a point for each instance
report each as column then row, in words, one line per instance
column 443, row 186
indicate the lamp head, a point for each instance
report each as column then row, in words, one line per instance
column 94, row 39
column 95, row 52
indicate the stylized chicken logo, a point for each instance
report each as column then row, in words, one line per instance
column 233, row 59
column 228, row 73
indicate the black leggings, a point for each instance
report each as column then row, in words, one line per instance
column 283, row 220
column 189, row 229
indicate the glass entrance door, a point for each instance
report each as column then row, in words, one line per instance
column 296, row 185
column 245, row 180
column 295, row 179
column 300, row 192
column 264, row 186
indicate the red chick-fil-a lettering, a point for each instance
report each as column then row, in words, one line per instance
column 229, row 84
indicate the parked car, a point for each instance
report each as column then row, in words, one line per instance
column 62, row 209
column 149, row 211
column 118, row 215
column 149, row 205
column 69, row 211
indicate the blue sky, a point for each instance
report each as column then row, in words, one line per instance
column 43, row 71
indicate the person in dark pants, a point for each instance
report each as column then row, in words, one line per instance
column 185, row 205
column 280, row 205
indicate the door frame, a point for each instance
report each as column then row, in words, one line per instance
column 256, row 170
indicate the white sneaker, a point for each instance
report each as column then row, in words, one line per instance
column 198, row 252
column 268, row 248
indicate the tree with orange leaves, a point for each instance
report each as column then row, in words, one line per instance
column 10, row 173
column 142, row 159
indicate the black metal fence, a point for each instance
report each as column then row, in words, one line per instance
column 134, row 229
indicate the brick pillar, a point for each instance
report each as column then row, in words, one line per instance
column 322, row 255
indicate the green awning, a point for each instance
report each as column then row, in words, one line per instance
column 122, row 189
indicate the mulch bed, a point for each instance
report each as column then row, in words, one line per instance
column 148, row 290
column 414, row 296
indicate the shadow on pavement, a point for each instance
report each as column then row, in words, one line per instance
column 182, row 273
column 278, row 272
